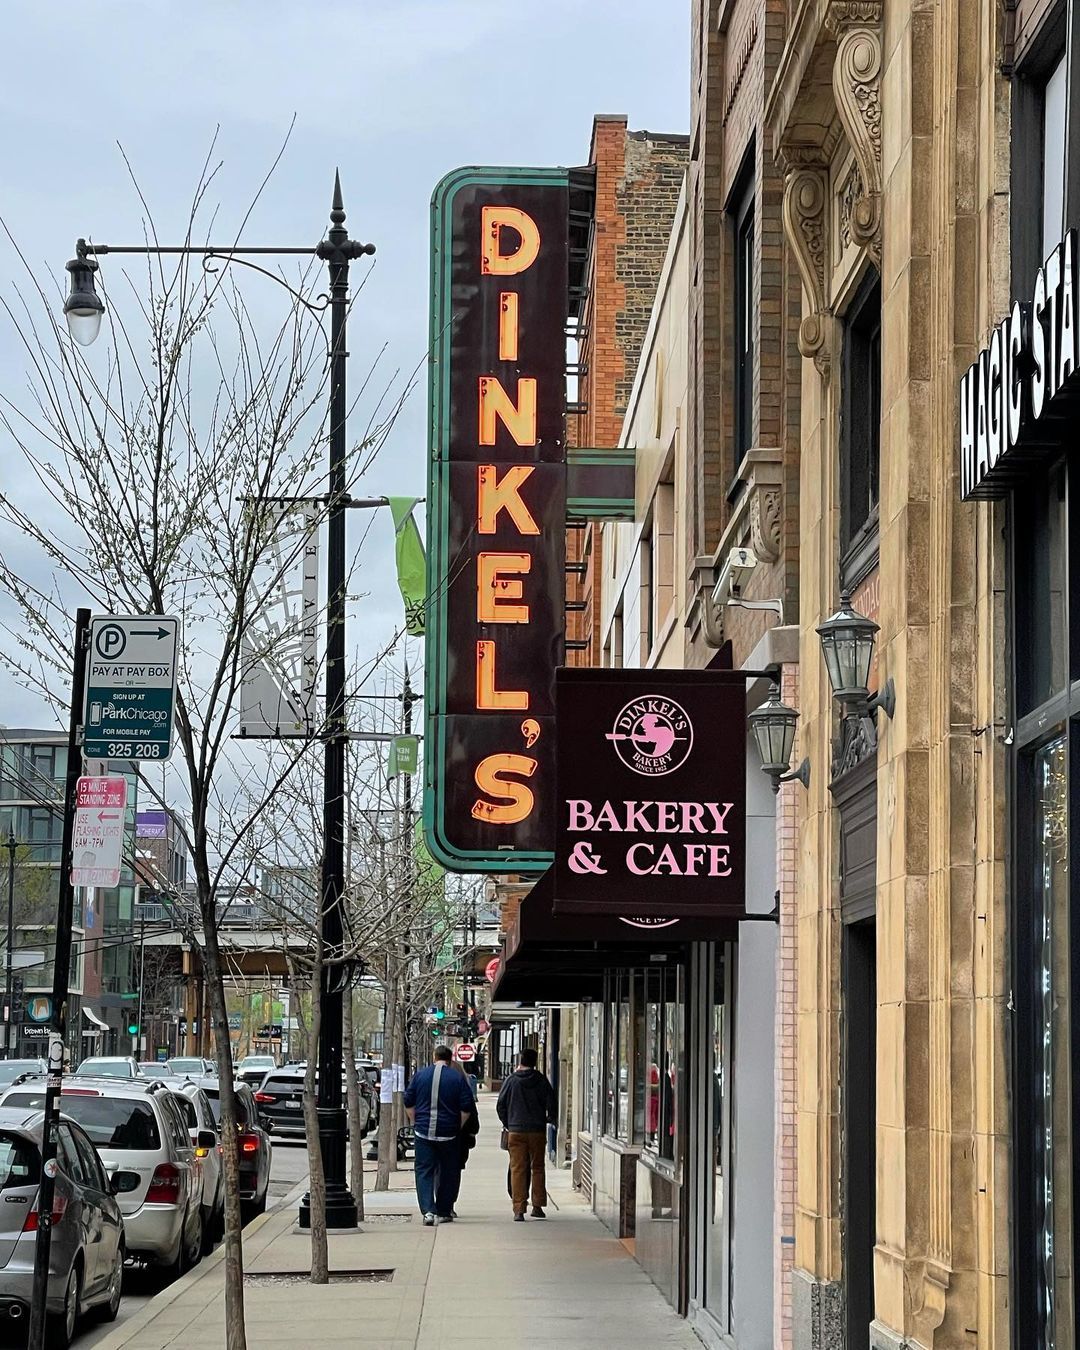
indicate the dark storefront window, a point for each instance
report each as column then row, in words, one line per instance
column 617, row 1056
column 663, row 1046
column 1046, row 554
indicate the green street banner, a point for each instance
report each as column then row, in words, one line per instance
column 404, row 755
column 411, row 564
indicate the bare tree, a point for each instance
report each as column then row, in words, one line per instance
column 154, row 471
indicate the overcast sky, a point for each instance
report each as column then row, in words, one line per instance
column 394, row 92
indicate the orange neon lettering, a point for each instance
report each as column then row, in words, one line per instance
column 494, row 590
column 494, row 494
column 490, row 780
column 495, row 219
column 488, row 698
column 508, row 326
column 519, row 419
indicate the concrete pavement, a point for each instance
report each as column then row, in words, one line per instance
column 481, row 1281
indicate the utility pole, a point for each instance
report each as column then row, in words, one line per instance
column 9, row 955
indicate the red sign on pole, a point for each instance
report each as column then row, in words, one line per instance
column 465, row 1053
column 98, row 840
column 491, row 970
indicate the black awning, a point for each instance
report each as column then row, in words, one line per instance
column 549, row 957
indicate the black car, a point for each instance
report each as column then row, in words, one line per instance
column 281, row 1101
column 254, row 1141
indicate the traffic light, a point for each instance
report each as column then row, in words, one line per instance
column 439, row 1014
column 133, row 1027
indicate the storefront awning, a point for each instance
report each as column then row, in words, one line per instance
column 553, row 958
column 94, row 1020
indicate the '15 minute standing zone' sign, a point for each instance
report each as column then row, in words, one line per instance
column 496, row 515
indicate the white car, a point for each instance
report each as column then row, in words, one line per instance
column 109, row 1066
column 200, row 1120
column 140, row 1131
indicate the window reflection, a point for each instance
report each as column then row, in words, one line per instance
column 1053, row 1091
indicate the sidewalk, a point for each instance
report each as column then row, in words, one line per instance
column 482, row 1281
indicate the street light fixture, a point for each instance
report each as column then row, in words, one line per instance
column 772, row 726
column 847, row 644
column 83, row 310
column 83, row 307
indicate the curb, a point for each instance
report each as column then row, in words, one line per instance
column 207, row 1266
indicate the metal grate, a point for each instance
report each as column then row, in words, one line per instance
column 585, row 1165
column 286, row 1278
column 386, row 1218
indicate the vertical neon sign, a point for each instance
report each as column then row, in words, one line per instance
column 496, row 515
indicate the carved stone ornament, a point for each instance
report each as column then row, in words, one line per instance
column 849, row 195
column 805, row 201
column 765, row 523
column 857, row 90
column 857, row 741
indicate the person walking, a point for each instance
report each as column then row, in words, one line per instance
column 438, row 1104
column 526, row 1105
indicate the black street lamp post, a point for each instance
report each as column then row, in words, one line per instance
column 83, row 310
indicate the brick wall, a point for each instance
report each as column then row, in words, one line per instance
column 638, row 178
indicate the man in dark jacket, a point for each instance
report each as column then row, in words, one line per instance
column 526, row 1106
column 438, row 1103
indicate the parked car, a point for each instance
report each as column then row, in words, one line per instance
column 10, row 1069
column 140, row 1131
column 253, row 1069
column 255, row 1150
column 86, row 1260
column 193, row 1065
column 371, row 1073
column 281, row 1101
column 108, row 1066
column 201, row 1120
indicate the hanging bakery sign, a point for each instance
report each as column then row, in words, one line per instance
column 496, row 515
column 1014, row 397
column 650, row 793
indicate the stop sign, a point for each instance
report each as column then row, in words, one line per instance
column 465, row 1053
column 491, row 970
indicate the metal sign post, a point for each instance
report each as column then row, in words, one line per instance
column 61, row 971
column 131, row 687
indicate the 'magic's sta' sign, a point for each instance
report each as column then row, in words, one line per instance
column 496, row 512
column 651, row 794
column 1013, row 397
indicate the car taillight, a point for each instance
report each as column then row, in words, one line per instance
column 249, row 1145
column 164, row 1186
column 59, row 1206
column 265, row 1097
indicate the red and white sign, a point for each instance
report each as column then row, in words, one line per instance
column 491, row 970
column 483, row 1027
column 465, row 1053
column 98, row 841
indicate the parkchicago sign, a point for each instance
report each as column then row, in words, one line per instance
column 496, row 515
column 1013, row 396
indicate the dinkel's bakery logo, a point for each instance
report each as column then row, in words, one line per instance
column 652, row 735
column 1014, row 391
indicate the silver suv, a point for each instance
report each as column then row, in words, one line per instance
column 140, row 1132
column 86, row 1263
column 199, row 1115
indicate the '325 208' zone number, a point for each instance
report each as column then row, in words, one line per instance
column 141, row 750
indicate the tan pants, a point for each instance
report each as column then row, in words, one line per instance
column 527, row 1154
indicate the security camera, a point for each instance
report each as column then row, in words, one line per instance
column 738, row 565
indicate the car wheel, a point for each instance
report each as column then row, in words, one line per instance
column 194, row 1253
column 209, row 1232
column 61, row 1329
column 108, row 1311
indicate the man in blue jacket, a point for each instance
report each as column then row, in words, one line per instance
column 438, row 1103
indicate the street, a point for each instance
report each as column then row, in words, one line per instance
column 289, row 1167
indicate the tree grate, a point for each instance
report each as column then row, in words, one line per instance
column 288, row 1278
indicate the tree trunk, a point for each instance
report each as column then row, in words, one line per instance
column 352, row 1090
column 235, row 1332
column 387, row 1113
column 320, row 1255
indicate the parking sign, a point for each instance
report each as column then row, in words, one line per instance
column 130, row 687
